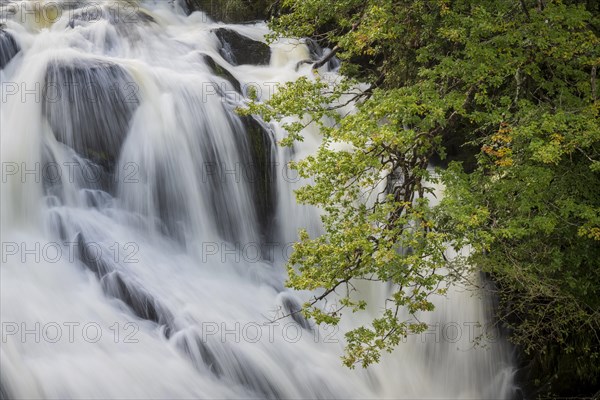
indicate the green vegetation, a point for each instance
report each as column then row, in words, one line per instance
column 515, row 82
column 230, row 11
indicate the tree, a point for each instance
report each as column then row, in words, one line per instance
column 516, row 83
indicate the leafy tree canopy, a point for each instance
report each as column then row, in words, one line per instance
column 515, row 81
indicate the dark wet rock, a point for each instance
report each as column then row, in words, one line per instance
column 142, row 304
column 261, row 170
column 199, row 353
column 8, row 48
column 116, row 285
column 230, row 11
column 238, row 49
column 222, row 72
column 317, row 53
column 89, row 105
column 292, row 307
column 91, row 254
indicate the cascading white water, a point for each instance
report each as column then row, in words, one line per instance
column 145, row 225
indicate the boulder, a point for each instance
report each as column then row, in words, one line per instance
column 238, row 49
column 89, row 105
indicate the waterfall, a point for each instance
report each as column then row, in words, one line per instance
column 145, row 225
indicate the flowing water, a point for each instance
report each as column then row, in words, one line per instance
column 145, row 225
